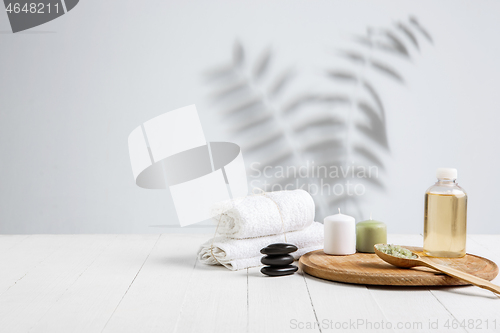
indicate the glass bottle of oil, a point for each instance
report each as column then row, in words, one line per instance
column 445, row 216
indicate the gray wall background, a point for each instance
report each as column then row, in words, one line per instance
column 72, row 90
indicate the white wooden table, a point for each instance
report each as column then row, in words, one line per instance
column 153, row 283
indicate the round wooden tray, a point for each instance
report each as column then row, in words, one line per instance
column 368, row 268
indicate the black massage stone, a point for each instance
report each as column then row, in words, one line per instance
column 279, row 248
column 278, row 259
column 279, row 270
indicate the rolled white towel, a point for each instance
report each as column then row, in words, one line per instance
column 257, row 215
column 238, row 254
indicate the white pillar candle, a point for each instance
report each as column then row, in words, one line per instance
column 340, row 234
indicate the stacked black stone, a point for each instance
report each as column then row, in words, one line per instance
column 279, row 259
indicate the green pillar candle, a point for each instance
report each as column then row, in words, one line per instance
column 369, row 233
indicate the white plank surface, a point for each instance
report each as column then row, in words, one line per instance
column 339, row 306
column 216, row 301
column 87, row 302
column 20, row 259
column 60, row 262
column 153, row 302
column 275, row 304
column 147, row 283
column 7, row 242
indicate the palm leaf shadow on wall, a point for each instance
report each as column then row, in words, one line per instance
column 310, row 140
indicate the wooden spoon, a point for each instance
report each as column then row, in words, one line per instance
column 423, row 261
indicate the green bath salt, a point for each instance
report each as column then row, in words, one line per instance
column 396, row 251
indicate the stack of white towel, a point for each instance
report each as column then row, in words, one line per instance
column 249, row 224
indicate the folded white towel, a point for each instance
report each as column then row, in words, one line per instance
column 257, row 215
column 243, row 253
